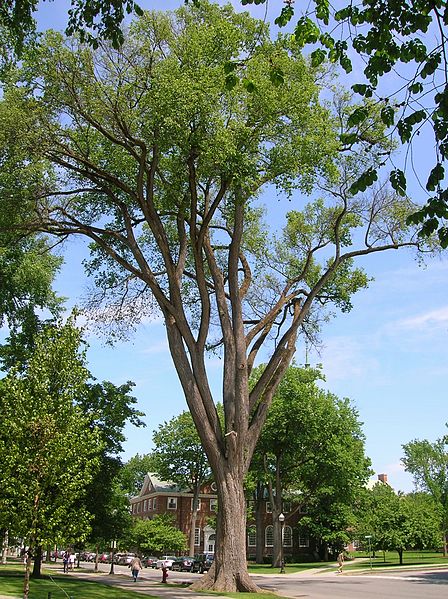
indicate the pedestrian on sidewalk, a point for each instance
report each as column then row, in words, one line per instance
column 65, row 558
column 135, row 565
column 164, row 572
column 340, row 562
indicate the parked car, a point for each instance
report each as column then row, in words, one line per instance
column 149, row 561
column 167, row 560
column 104, row 558
column 183, row 564
column 202, row 562
column 125, row 559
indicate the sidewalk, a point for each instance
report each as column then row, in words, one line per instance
column 143, row 585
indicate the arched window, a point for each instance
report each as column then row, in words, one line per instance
column 252, row 537
column 287, row 536
column 269, row 536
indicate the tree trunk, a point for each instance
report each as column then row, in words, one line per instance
column 37, row 563
column 445, row 544
column 5, row 545
column 400, row 555
column 26, row 580
column 229, row 570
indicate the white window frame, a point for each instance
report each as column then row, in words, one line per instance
column 213, row 505
column 252, row 537
column 286, row 507
column 287, row 536
column 269, row 536
column 171, row 503
column 304, row 540
column 197, row 537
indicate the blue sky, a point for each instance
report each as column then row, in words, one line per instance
column 388, row 355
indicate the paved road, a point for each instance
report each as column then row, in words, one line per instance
column 326, row 584
column 403, row 585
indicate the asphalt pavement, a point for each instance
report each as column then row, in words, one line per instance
column 318, row 583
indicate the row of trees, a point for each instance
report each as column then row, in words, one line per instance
column 148, row 150
column 311, row 451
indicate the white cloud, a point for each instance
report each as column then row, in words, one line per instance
column 345, row 358
column 426, row 320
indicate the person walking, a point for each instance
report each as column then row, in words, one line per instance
column 340, row 562
column 65, row 561
column 136, row 566
column 72, row 560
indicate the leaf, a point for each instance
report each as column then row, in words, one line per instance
column 231, row 81
column 249, row 85
column 431, row 65
column 323, row 10
column 398, row 181
column 361, row 88
column 357, row 116
column 138, row 10
column 388, row 115
column 229, row 67
column 285, row 16
column 317, row 57
column 277, row 76
column 364, row 181
column 348, row 138
column 435, row 177
column 416, row 88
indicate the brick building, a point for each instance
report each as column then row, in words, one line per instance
column 159, row 497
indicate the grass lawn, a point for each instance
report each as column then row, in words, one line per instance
column 61, row 587
column 389, row 559
column 289, row 568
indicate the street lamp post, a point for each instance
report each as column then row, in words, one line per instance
column 368, row 537
column 281, row 519
column 113, row 546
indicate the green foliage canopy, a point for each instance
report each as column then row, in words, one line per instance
column 157, row 536
column 49, row 452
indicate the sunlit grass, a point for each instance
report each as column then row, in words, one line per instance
column 60, row 587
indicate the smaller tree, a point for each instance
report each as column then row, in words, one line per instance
column 428, row 463
column 157, row 536
column 108, row 408
column 180, row 457
column 312, row 445
column 397, row 522
column 49, row 452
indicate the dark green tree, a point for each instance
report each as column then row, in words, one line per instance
column 133, row 473
column 109, row 408
column 179, row 457
column 312, row 446
column 91, row 19
column 428, row 464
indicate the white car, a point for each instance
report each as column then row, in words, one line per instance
column 166, row 560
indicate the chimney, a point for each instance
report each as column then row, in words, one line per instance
column 382, row 478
